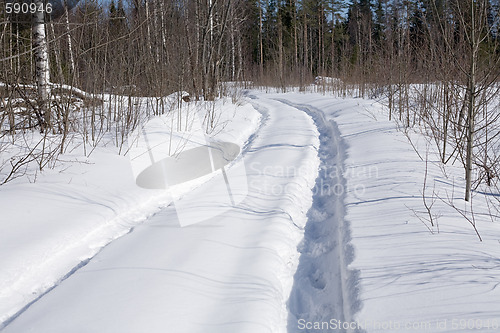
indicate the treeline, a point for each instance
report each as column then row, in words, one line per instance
column 158, row 46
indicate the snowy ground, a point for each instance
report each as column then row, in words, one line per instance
column 323, row 241
column 51, row 227
column 403, row 278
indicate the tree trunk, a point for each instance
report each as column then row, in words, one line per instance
column 470, row 133
column 261, row 44
column 471, row 104
column 280, row 51
column 68, row 39
column 41, row 64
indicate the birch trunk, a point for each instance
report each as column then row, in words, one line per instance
column 261, row 44
column 68, row 38
column 41, row 64
column 471, row 104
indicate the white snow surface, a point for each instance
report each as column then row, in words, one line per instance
column 324, row 236
column 400, row 277
column 51, row 227
column 231, row 273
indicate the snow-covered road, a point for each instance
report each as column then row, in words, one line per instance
column 326, row 234
column 231, row 273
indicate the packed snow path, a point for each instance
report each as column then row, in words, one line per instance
column 231, row 273
column 324, row 287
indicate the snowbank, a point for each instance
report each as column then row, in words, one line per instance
column 51, row 227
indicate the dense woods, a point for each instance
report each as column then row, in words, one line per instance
column 434, row 63
column 162, row 46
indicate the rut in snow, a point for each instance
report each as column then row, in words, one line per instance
column 324, row 289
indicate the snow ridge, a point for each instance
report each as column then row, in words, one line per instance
column 26, row 307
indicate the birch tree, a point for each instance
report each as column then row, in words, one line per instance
column 42, row 71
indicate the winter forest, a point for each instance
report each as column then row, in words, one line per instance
column 80, row 78
column 447, row 51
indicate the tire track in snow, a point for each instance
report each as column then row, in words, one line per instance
column 232, row 273
column 324, row 288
